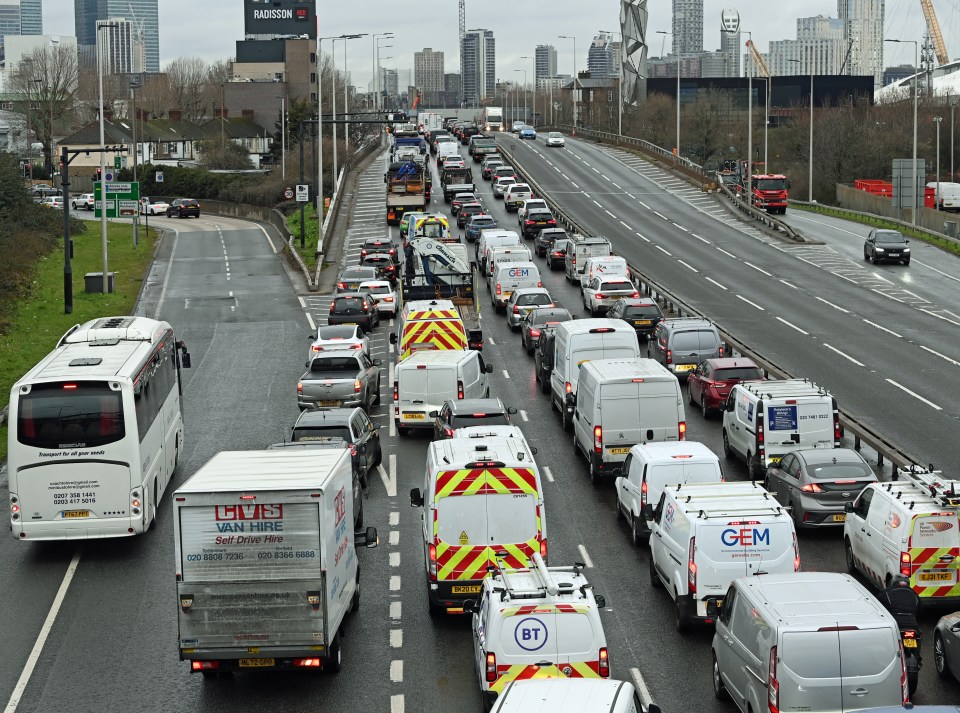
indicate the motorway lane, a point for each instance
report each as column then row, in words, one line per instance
column 697, row 255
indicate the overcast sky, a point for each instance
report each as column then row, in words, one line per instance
column 209, row 28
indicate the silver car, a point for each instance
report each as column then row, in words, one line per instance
column 337, row 337
column 524, row 300
column 946, row 646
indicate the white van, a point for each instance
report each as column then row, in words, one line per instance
column 602, row 265
column 480, row 497
column 508, row 277
column 908, row 528
column 622, row 402
column 946, row 195
column 493, row 238
column 810, row 641
column 650, row 467
column 425, row 379
column 504, row 253
column 704, row 536
column 579, row 341
column 571, row 695
column 765, row 420
column 445, row 149
column 583, row 248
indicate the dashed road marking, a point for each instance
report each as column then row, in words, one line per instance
column 758, row 269
column 643, row 237
column 395, row 609
column 883, row 329
column 914, row 394
column 641, row 686
column 523, row 415
column 394, row 538
column 845, row 356
column 396, row 638
column 395, row 583
column 397, row 703
column 688, row 266
column 942, row 356
column 506, row 374
column 722, row 287
column 728, row 254
column 394, row 559
column 396, row 671
column 586, row 557
column 394, row 519
column 793, row 287
column 793, row 326
column 751, row 303
column 548, row 474
column 663, row 250
column 624, row 225
column 831, row 304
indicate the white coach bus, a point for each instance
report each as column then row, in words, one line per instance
column 95, row 431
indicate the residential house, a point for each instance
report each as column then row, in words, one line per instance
column 243, row 131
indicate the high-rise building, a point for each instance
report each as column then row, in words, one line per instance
column 600, row 57
column 20, row 17
column 545, row 64
column 389, row 82
column 121, row 49
column 818, row 49
column 730, row 42
column 142, row 14
column 688, row 26
column 863, row 33
column 31, row 17
column 9, row 20
column 428, row 75
column 478, row 66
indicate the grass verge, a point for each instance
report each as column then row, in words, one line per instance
column 39, row 320
column 311, row 228
column 880, row 222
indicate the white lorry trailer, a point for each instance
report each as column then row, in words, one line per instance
column 265, row 562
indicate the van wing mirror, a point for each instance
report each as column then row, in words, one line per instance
column 416, row 498
column 470, row 606
column 722, row 406
column 489, row 369
column 393, row 337
column 648, row 511
column 378, row 362
column 511, row 410
column 714, row 608
column 600, row 600
column 366, row 538
column 848, row 507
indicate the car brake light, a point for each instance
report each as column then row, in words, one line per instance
column 516, row 310
column 604, row 668
column 460, row 389
column 811, row 488
column 773, row 685
column 539, row 284
column 669, row 356
column 597, row 439
column 432, row 553
column 635, row 294
column 796, row 553
column 534, row 332
column 331, row 307
column 529, row 222
column 363, row 253
column 357, row 386
column 491, row 672
column 356, row 346
column 692, row 567
column 682, row 428
column 204, row 665
column 600, row 296
column 905, row 564
column 316, row 348
column 300, row 388
column 448, row 432
column 568, row 387
column 342, row 285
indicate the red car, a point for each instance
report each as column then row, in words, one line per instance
column 711, row 382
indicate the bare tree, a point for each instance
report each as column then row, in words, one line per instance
column 188, row 78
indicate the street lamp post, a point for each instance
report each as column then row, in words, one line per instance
column 936, row 205
column 664, row 32
column 533, row 118
column 103, row 165
column 134, row 86
column 283, row 136
column 915, row 190
column 374, row 40
column 620, row 84
column 952, row 106
column 524, row 89
column 346, row 126
column 575, row 95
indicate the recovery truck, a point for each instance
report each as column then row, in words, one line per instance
column 265, row 563
column 407, row 189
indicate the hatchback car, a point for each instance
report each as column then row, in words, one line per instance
column 886, row 246
column 557, row 255
column 946, row 646
column 486, row 168
column 379, row 245
column 602, row 291
column 354, row 308
column 459, row 199
column 554, row 138
column 352, row 425
column 528, row 132
column 543, row 358
column 467, row 211
column 504, row 170
column 183, row 208
column 84, row 201
column 528, row 205
column 476, row 223
column 351, row 277
column 535, row 321
column 52, row 202
column 516, row 126
column 384, row 264
column 545, row 239
column 524, row 300
column 336, row 338
column 710, row 383
column 536, row 220
column 642, row 313
column 456, row 413
column 681, row 344
column 450, row 161
column 817, row 483
column 384, row 294
column 501, row 184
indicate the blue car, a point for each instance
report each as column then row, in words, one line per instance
column 478, row 223
column 528, row 132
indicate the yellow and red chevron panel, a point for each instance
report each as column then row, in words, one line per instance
column 928, row 558
column 439, row 333
column 485, row 481
column 520, row 672
column 524, row 609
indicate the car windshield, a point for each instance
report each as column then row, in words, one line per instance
column 347, row 365
column 838, row 471
column 337, row 332
column 462, row 420
column 642, row 311
column 743, row 373
column 535, row 299
column 348, row 305
column 890, row 237
column 555, row 135
column 321, row 433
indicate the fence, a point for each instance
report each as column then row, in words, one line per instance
column 933, row 221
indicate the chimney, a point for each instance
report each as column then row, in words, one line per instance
column 175, row 114
column 248, row 114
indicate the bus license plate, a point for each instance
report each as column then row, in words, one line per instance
column 76, row 513
column 465, row 589
column 909, row 643
column 619, row 451
column 257, row 663
column 935, row 576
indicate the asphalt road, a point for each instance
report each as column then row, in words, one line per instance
column 112, row 643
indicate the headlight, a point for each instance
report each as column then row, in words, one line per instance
column 880, row 250
column 906, row 250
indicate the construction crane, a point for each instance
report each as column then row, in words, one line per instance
column 933, row 27
column 758, row 58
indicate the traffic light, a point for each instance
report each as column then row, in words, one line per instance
column 99, row 174
column 27, row 169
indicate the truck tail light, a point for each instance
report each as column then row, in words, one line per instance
column 796, row 553
column 723, row 350
column 460, row 389
column 432, row 553
column 300, row 388
column 598, row 439
column 604, row 668
column 692, row 567
column 308, row 663
column 491, row 668
column 539, row 284
column 204, row 665
column 135, row 502
column 682, row 430
column 669, row 356
column 773, row 685
column 905, row 564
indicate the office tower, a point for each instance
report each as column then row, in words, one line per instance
column 479, row 66
column 31, row 17
column 730, row 42
column 545, row 64
column 863, row 33
column 142, row 13
column 428, row 74
column 121, row 48
column 688, row 26
column 602, row 57
column 818, row 49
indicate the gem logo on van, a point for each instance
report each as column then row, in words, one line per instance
column 745, row 536
column 518, row 272
column 530, row 634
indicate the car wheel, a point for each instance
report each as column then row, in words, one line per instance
column 376, row 399
column 681, row 614
column 333, row 659
column 690, row 395
column 529, row 350
column 704, row 411
column 940, row 656
column 719, row 690
column 848, row 557
column 635, row 537
column 796, row 515
column 544, row 386
column 654, row 577
column 727, row 452
column 753, row 467
column 595, row 476
column 906, row 263
column 866, row 258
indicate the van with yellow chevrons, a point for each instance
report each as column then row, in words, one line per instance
column 429, row 324
column 482, row 501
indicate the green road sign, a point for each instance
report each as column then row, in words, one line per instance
column 123, row 199
column 116, row 162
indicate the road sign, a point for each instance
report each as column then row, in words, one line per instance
column 288, row 193
column 159, row 177
column 116, row 162
column 122, row 199
column 303, row 193
column 109, row 176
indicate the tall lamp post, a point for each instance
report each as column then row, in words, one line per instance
column 346, row 126
column 283, row 136
column 664, row 32
column 916, row 60
column 103, row 165
column 938, row 119
column 575, row 95
column 374, row 39
column 524, row 93
column 953, row 105
column 810, row 162
column 533, row 117
column 620, row 84
column 380, row 88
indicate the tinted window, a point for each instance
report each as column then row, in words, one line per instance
column 327, row 364
column 58, row 415
column 611, row 285
column 322, row 433
column 700, row 340
column 739, row 372
column 534, row 300
column 838, row 471
column 548, row 318
column 348, row 305
column 642, row 311
column 377, row 289
column 462, row 420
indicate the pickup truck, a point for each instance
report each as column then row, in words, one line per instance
column 340, row 379
column 452, row 189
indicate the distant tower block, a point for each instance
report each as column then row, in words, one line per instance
column 731, row 19
column 633, row 28
column 730, row 45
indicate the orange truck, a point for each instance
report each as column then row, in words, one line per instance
column 769, row 190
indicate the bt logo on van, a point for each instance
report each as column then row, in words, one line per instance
column 745, row 536
column 530, row 634
column 518, row 272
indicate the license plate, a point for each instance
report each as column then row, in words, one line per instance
column 506, row 296
column 257, row 663
column 910, row 643
column 416, row 416
column 465, row 589
column 329, row 403
column 642, row 322
column 685, row 367
column 619, row 451
column 893, row 254
column 76, row 513
column 774, row 461
column 348, row 323
column 842, row 517
column 935, row 576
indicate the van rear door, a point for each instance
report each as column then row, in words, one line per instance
column 424, row 390
column 798, row 423
column 935, row 554
column 740, row 547
column 838, row 668
column 526, row 638
column 634, row 412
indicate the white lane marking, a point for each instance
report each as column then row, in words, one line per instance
column 831, row 304
column 661, row 215
column 938, row 316
column 595, row 203
column 641, row 686
column 586, row 557
column 728, row 254
column 942, row 356
column 931, row 267
column 395, row 583
column 752, row 304
column 914, row 395
column 506, row 374
column 662, row 250
column 558, row 171
column 395, row 609
column 691, row 267
column 758, row 269
column 394, row 559
column 883, row 329
column 610, row 214
column 396, row 671
column 389, row 481
column 303, row 304
column 710, row 279
column 523, row 415
column 548, row 473
column 310, row 320
column 617, row 186
column 396, row 638
column 604, row 178
column 845, row 356
column 394, row 537
column 625, row 225
column 793, row 326
column 642, row 203
column 490, row 339
column 588, row 196
column 166, row 277
column 397, row 703
column 394, row 519
column 702, row 240
column 884, row 294
column 793, row 287
column 643, row 237
column 593, row 169
column 681, row 227
column 42, row 636
column 573, row 184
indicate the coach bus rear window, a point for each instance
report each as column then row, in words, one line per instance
column 70, row 415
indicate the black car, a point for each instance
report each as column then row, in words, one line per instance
column 537, row 320
column 886, row 246
column 467, row 132
column 476, row 223
column 469, row 412
column 352, row 425
column 642, row 313
column 467, row 211
column 183, row 208
column 459, row 199
column 557, row 255
column 384, row 263
column 354, row 308
column 379, row 245
column 537, row 220
column 545, row 239
column 543, row 358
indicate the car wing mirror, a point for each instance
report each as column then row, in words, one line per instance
column 434, row 414
column 848, row 507
column 416, row 498
column 378, row 362
column 489, row 368
column 511, row 410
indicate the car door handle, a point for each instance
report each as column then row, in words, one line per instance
column 859, row 692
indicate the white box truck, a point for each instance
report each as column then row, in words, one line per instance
column 265, row 561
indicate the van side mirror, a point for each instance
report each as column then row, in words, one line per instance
column 366, row 538
column 378, row 362
column 393, row 337
column 848, row 507
column 714, row 608
column 434, row 414
column 470, row 606
column 416, row 498
column 306, row 364
column 722, row 406
column 185, row 359
column 600, row 600
column 511, row 410
column 648, row 511
column 489, row 368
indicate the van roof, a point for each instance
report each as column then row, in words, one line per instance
column 627, row 370
column 435, row 357
column 548, row 695
column 582, row 326
column 728, row 499
column 669, row 450
column 245, row 471
column 453, row 453
column 817, row 599
column 527, row 584
column 783, row 388
column 913, row 498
